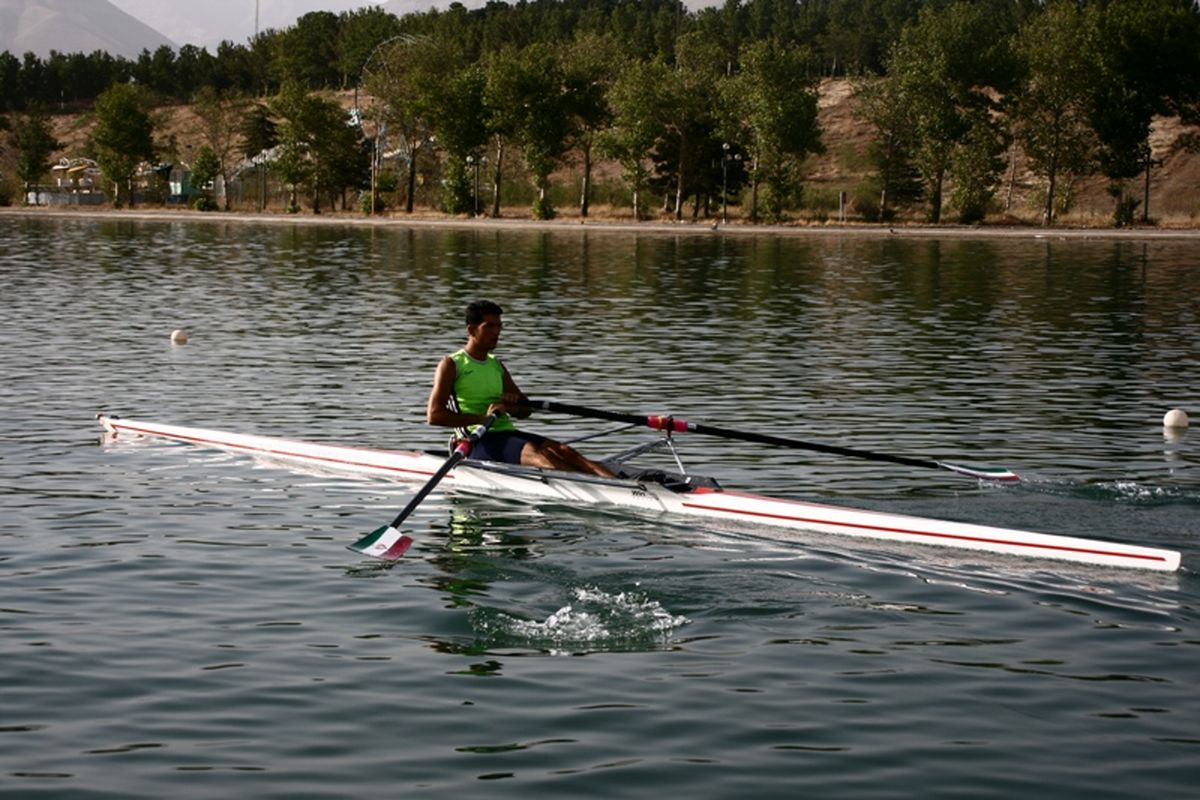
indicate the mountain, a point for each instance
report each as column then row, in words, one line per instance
column 74, row 26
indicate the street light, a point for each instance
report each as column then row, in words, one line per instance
column 474, row 164
column 725, row 183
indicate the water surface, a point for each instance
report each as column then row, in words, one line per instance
column 181, row 622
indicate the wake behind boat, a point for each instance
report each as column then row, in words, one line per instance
column 678, row 495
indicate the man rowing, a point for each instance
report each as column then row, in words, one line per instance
column 472, row 383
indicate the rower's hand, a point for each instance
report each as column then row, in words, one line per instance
column 515, row 405
column 498, row 408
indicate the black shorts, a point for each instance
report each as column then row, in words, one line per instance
column 504, row 446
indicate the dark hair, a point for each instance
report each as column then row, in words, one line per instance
column 480, row 308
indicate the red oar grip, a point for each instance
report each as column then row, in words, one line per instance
column 667, row 424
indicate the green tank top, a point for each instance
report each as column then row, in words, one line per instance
column 478, row 384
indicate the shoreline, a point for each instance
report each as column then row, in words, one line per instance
column 578, row 225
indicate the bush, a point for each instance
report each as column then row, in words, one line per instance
column 204, row 203
column 364, row 201
column 864, row 201
column 543, row 209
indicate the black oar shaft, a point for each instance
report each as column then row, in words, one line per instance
column 760, row 438
column 679, row 425
column 461, row 451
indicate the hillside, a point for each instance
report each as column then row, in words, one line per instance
column 1174, row 191
column 71, row 26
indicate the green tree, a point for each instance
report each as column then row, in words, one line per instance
column 773, row 102
column 503, row 108
column 222, row 115
column 360, row 32
column 976, row 162
column 636, row 102
column 1051, row 111
column 860, row 33
column 123, row 137
column 259, row 135
column 10, row 83
column 318, row 149
column 689, row 110
column 524, row 89
column 34, row 142
column 402, row 78
column 880, row 103
column 942, row 67
column 459, row 121
column 306, row 53
column 590, row 68
column 1148, row 58
column 205, row 169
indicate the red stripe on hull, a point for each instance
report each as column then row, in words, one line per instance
column 931, row 534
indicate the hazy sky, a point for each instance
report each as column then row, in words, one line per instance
column 207, row 22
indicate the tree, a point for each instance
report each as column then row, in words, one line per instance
column 976, row 162
column 589, row 66
column 360, row 34
column 123, row 137
column 259, row 135
column 34, row 142
column 1148, row 59
column 10, row 83
column 1051, row 112
column 880, row 103
column 524, row 91
column 773, row 102
column 942, row 67
column 459, row 121
column 688, row 112
column 319, row 149
column 205, row 169
column 860, row 33
column 221, row 118
column 636, row 102
column 402, row 77
column 306, row 52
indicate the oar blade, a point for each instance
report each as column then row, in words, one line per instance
column 983, row 473
column 386, row 543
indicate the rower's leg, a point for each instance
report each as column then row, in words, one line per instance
column 556, row 455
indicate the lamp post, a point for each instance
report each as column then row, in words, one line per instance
column 725, row 182
column 473, row 163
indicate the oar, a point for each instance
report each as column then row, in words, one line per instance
column 388, row 543
column 681, row 426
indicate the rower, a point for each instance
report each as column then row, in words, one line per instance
column 472, row 383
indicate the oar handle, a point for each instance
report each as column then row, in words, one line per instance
column 676, row 425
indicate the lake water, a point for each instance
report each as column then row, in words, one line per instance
column 177, row 622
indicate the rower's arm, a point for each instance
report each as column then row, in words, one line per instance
column 437, row 410
column 514, row 399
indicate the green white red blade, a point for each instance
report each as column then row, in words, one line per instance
column 385, row 543
column 982, row 473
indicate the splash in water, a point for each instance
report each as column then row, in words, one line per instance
column 595, row 620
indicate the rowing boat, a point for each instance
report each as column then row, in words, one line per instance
column 674, row 494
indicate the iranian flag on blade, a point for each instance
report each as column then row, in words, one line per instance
column 386, row 543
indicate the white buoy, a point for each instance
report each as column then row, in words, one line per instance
column 179, row 336
column 1175, row 418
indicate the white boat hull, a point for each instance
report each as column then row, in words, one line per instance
column 650, row 497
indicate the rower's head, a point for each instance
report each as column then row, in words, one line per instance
column 483, row 325
column 477, row 310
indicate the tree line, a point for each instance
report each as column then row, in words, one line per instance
column 695, row 107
